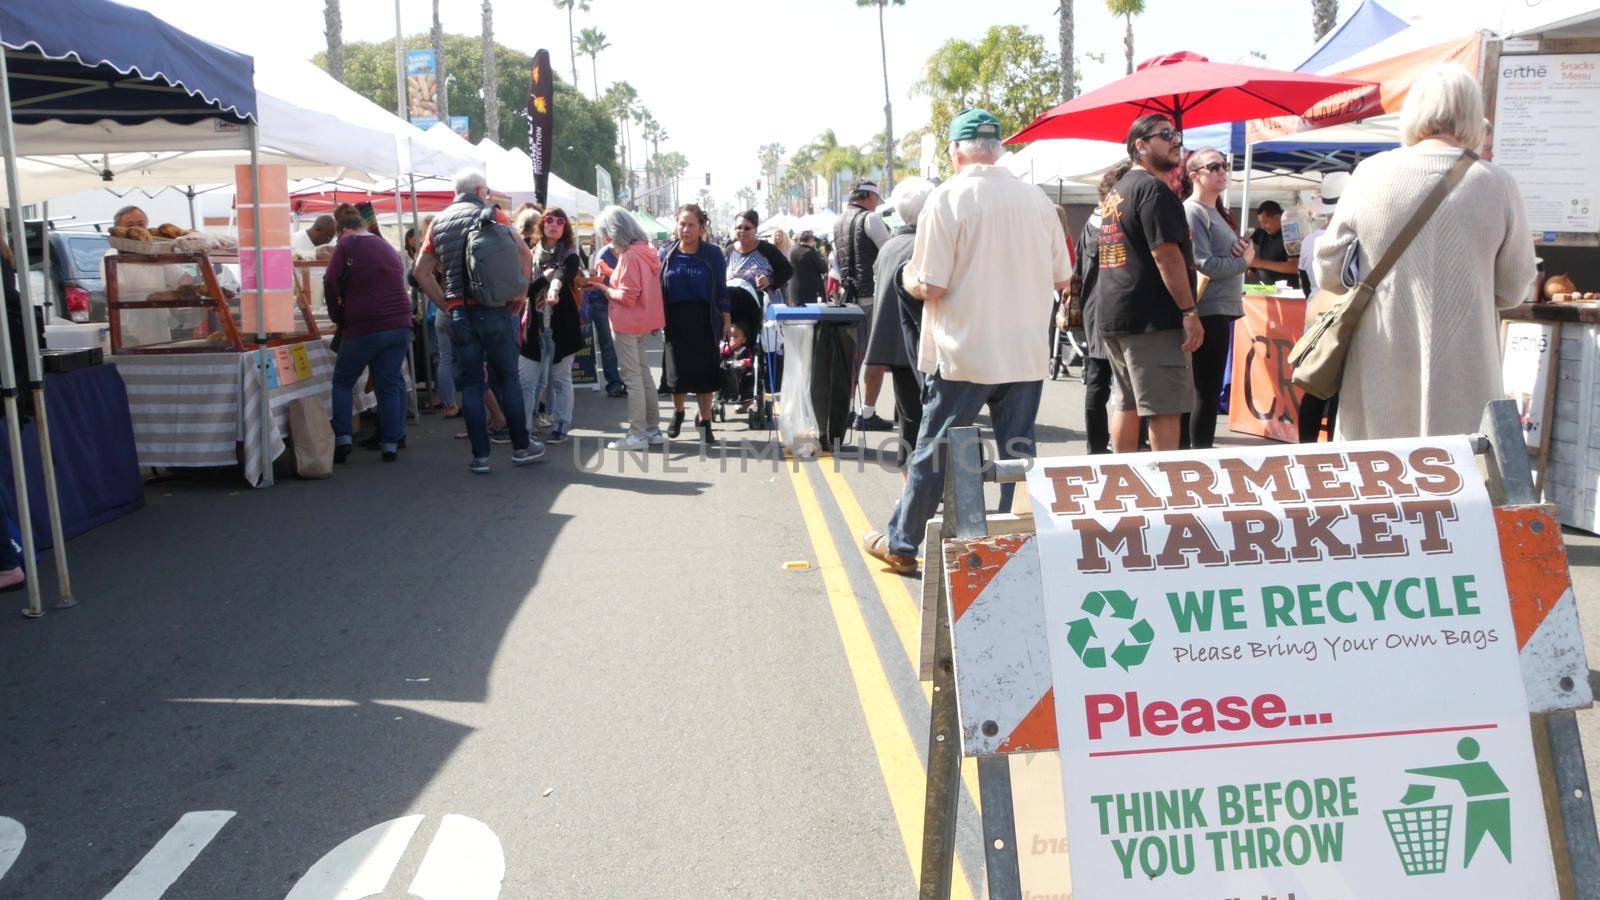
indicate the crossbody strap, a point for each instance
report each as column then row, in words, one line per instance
column 1421, row 217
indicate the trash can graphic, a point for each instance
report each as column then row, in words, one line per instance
column 1421, row 836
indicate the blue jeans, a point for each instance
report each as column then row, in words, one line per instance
column 447, row 363
column 479, row 337
column 600, row 315
column 383, row 352
column 954, row 404
column 554, row 385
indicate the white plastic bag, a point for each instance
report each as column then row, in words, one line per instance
column 797, row 419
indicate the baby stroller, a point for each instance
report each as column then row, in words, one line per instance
column 1067, row 345
column 745, row 374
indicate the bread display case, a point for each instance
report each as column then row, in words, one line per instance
column 173, row 303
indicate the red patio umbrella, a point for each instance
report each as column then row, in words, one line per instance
column 1191, row 90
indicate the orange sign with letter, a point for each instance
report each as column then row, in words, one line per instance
column 1263, row 400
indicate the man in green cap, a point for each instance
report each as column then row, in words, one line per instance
column 990, row 255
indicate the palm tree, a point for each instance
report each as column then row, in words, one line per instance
column 591, row 42
column 671, row 167
column 770, row 155
column 1067, row 77
column 436, row 38
column 491, row 93
column 623, row 102
column 572, row 43
column 333, row 29
column 1127, row 9
column 888, row 105
column 648, row 128
column 1324, row 15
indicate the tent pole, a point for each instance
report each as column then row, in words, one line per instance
column 263, row 352
column 1244, row 199
column 194, row 219
column 44, row 258
column 8, row 376
column 47, row 461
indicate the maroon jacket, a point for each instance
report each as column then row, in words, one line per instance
column 373, row 297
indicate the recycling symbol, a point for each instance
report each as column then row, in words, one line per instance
column 1083, row 640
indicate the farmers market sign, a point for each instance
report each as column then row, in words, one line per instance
column 1287, row 671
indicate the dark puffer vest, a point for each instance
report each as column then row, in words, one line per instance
column 857, row 254
column 450, row 243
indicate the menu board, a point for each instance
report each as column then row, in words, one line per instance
column 1547, row 127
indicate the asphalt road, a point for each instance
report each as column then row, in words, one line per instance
column 675, row 680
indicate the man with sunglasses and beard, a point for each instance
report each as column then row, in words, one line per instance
column 1145, row 293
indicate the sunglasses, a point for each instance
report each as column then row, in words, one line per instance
column 1169, row 135
column 743, row 228
column 554, row 220
column 1212, row 167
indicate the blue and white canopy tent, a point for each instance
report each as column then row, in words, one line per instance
column 80, row 75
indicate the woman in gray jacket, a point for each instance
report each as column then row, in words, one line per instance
column 1222, row 257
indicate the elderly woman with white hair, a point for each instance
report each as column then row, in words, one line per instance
column 634, row 289
column 897, row 316
column 1425, row 357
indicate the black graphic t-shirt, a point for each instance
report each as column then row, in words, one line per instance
column 1140, row 212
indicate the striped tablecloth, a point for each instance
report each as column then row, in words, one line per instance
column 192, row 409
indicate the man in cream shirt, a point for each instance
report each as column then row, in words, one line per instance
column 989, row 256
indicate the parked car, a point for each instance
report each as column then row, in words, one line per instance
column 77, row 283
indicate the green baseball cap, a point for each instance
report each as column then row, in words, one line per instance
column 975, row 124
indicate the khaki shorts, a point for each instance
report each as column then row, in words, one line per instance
column 1151, row 373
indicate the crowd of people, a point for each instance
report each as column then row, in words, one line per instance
column 958, row 297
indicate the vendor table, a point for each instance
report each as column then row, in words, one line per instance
column 1569, row 463
column 97, row 471
column 1263, row 399
column 197, row 409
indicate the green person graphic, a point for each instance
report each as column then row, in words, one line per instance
column 1488, row 806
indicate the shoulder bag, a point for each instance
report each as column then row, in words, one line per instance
column 1318, row 357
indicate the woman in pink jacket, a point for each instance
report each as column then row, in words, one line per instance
column 635, row 291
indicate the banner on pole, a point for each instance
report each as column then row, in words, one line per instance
column 460, row 125
column 1287, row 671
column 541, row 122
column 603, row 187
column 422, row 88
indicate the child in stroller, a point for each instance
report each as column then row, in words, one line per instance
column 744, row 365
column 738, row 370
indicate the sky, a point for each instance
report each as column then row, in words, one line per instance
column 727, row 76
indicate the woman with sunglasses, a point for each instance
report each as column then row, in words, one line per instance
column 553, row 305
column 694, row 288
column 1221, row 257
column 755, row 260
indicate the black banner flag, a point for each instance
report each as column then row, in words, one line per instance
column 541, row 122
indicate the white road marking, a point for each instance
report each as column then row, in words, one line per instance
column 12, row 837
column 171, row 856
column 265, row 701
column 359, row 867
column 464, row 862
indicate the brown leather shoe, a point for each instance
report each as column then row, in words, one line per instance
column 876, row 543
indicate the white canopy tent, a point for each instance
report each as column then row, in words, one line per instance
column 310, row 123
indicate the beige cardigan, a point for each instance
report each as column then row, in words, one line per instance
column 1426, row 357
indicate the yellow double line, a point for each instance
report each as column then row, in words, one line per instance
column 903, row 771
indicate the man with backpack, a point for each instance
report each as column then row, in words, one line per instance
column 485, row 269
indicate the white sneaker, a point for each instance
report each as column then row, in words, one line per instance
column 656, row 438
column 628, row 442
column 543, row 421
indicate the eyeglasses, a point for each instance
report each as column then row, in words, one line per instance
column 743, row 228
column 554, row 220
column 1212, row 167
column 1169, row 135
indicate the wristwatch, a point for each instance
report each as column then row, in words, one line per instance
column 1191, row 311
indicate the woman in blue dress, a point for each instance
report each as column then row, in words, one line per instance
column 694, row 290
